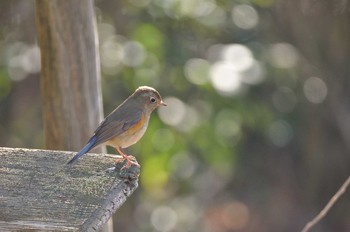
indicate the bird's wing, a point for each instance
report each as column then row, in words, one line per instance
column 116, row 123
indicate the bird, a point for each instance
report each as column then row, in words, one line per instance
column 125, row 125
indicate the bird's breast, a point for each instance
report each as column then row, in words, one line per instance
column 132, row 135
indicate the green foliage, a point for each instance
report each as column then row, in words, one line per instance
column 151, row 38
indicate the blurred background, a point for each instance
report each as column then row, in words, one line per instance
column 256, row 136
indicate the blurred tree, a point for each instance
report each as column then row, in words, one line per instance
column 70, row 74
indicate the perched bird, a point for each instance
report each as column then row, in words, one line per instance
column 125, row 125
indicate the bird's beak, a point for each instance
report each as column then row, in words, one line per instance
column 163, row 103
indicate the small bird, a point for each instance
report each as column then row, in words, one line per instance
column 125, row 125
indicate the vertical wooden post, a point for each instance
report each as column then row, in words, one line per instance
column 70, row 73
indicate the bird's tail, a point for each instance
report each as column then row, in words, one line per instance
column 88, row 147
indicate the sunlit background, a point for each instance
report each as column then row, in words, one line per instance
column 257, row 130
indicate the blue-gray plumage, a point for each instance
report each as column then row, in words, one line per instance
column 125, row 125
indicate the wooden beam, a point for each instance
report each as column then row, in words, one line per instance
column 38, row 191
column 70, row 72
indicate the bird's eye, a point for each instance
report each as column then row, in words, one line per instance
column 152, row 99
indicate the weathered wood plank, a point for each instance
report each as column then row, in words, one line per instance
column 38, row 191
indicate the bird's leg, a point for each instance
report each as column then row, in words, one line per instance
column 127, row 157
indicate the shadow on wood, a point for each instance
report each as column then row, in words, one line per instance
column 38, row 191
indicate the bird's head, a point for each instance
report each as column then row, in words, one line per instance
column 149, row 98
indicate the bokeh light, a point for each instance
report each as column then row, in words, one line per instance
column 178, row 114
column 111, row 53
column 23, row 60
column 187, row 8
column 238, row 56
column 283, row 55
column 216, row 18
column 280, row 133
column 105, row 30
column 174, row 113
column 245, row 16
column 315, row 90
column 197, row 71
column 133, row 54
column 188, row 211
column 233, row 65
column 163, row 218
column 190, row 121
column 182, row 165
column 225, row 79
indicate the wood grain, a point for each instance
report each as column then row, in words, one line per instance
column 38, row 191
column 70, row 73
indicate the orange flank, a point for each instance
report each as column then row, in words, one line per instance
column 137, row 126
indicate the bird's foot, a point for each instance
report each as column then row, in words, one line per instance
column 126, row 167
column 130, row 161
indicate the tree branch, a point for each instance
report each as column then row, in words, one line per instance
column 329, row 205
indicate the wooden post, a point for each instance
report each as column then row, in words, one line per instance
column 70, row 73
